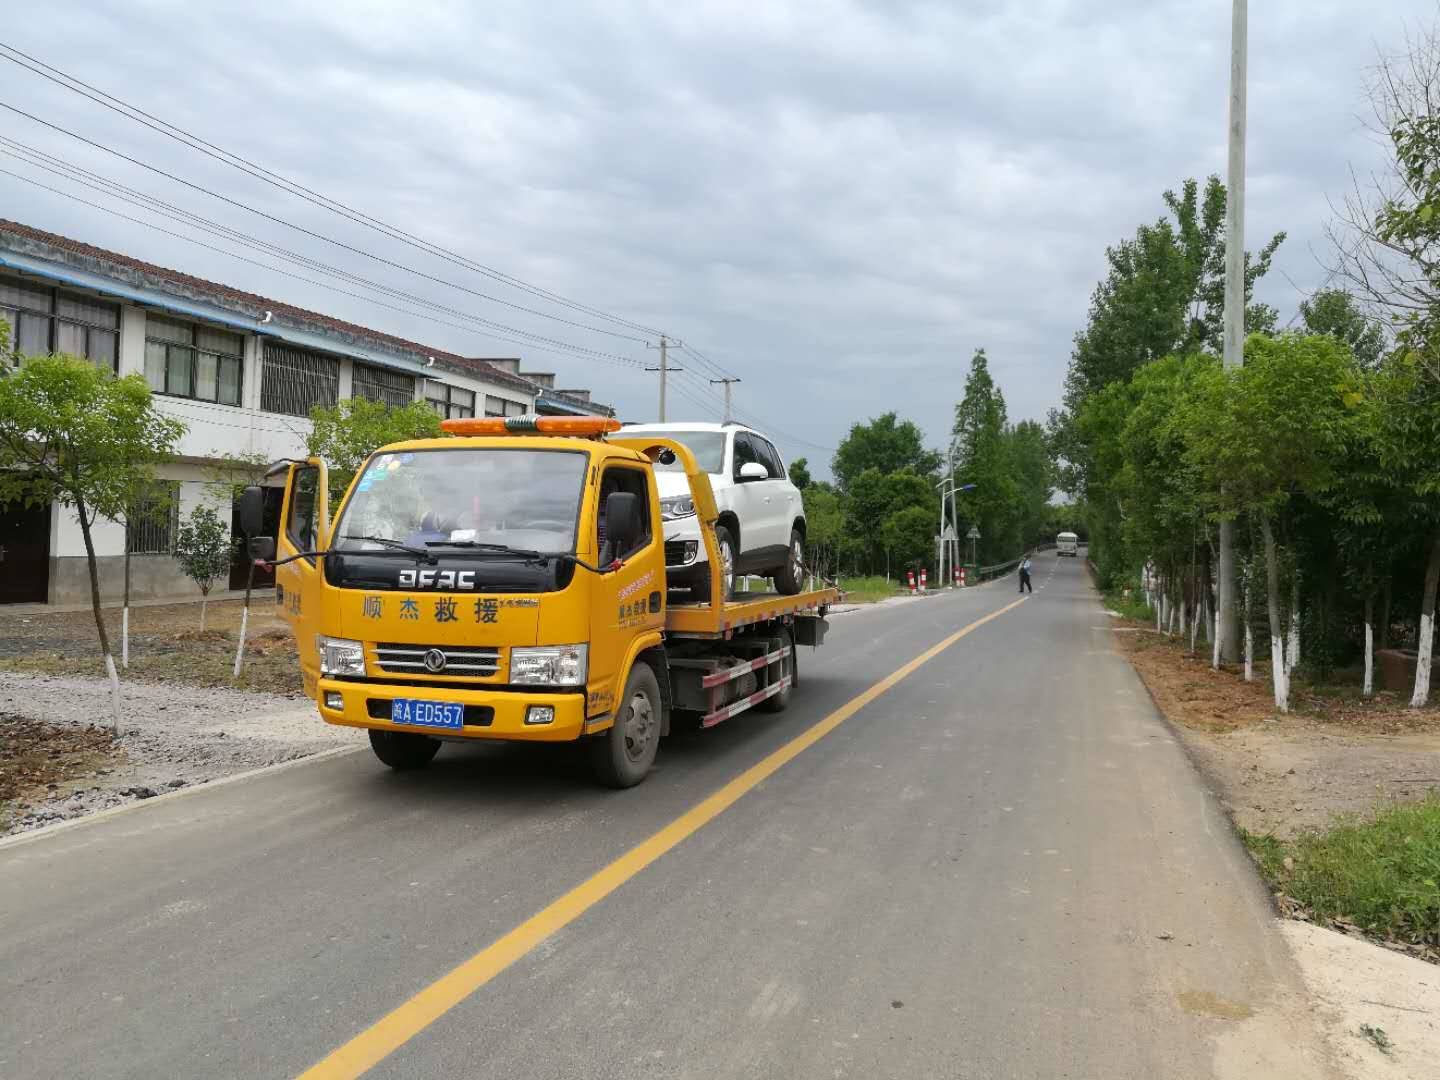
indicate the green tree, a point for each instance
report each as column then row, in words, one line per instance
column 909, row 536
column 800, row 473
column 983, row 458
column 75, row 435
column 203, row 549
column 1261, row 434
column 1335, row 312
column 886, row 444
column 344, row 435
column 824, row 527
column 1034, row 472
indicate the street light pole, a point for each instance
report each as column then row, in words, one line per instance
column 1226, row 641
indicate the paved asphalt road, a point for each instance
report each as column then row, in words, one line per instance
column 1004, row 866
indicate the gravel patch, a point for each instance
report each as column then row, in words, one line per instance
column 171, row 737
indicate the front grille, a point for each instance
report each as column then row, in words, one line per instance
column 475, row 715
column 679, row 552
column 472, row 660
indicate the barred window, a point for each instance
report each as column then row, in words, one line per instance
column 451, row 402
column 153, row 521
column 186, row 360
column 295, row 381
column 383, row 385
column 495, row 406
column 45, row 320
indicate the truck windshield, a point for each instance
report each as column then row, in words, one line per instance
column 471, row 498
column 707, row 446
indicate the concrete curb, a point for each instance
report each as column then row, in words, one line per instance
column 45, row 831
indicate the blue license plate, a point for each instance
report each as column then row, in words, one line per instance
column 431, row 714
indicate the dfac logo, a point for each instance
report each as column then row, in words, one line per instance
column 436, row 579
column 434, row 661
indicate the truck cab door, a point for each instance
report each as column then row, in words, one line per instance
column 629, row 601
column 304, row 530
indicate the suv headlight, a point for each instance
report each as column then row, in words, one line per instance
column 340, row 656
column 550, row 665
column 676, row 507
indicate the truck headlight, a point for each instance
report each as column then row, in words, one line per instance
column 676, row 507
column 550, row 665
column 340, row 656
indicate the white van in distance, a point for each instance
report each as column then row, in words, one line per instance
column 1067, row 543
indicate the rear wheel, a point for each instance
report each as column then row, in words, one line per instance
column 623, row 755
column 402, row 749
column 790, row 578
column 778, row 702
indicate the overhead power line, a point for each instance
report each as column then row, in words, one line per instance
column 558, row 350
column 259, row 172
column 150, row 204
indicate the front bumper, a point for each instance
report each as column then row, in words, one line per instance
column 507, row 709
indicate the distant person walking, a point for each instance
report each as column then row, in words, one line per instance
column 1025, row 575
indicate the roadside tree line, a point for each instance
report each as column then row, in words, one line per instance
column 1324, row 448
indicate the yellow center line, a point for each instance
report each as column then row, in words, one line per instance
column 407, row 1020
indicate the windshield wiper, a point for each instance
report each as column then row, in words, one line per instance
column 396, row 545
column 527, row 554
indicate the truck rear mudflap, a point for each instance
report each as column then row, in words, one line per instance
column 446, row 712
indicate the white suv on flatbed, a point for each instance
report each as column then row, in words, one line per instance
column 761, row 528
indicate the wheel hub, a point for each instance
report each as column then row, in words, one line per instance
column 639, row 726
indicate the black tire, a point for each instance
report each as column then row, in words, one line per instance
column 790, row 578
column 402, row 749
column 623, row 755
column 724, row 540
column 788, row 666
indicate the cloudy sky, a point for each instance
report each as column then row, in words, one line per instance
column 834, row 201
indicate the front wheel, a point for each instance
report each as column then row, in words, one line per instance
column 623, row 755
column 403, row 750
column 790, row 578
column 726, row 544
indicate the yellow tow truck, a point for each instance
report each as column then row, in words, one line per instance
column 507, row 581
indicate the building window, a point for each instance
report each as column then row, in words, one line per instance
column 383, row 385
column 44, row 320
column 295, row 381
column 451, row 402
column 495, row 406
column 153, row 521
column 190, row 361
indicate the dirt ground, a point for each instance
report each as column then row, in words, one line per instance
column 1333, row 754
column 167, row 645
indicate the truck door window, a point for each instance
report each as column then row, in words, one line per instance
column 744, row 453
column 633, row 481
column 302, row 517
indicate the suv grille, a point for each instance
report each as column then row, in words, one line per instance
column 471, row 660
column 679, row 552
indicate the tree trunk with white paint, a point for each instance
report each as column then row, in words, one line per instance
column 84, row 515
column 204, row 603
column 1421, row 696
column 1194, row 628
column 245, row 616
column 125, row 611
column 1368, row 687
column 1279, row 677
column 1292, row 654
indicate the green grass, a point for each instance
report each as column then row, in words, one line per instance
column 867, row 590
column 1132, row 606
column 1380, row 873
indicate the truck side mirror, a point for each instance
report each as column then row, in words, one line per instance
column 261, row 548
column 622, row 520
column 252, row 511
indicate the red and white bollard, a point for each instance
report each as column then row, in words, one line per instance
column 911, row 575
column 962, row 577
column 924, row 579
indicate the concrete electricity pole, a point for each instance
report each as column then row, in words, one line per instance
column 663, row 369
column 1226, row 640
column 727, row 382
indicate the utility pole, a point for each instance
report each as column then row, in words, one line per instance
column 664, row 368
column 727, row 382
column 1226, row 642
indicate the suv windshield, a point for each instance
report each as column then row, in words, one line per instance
column 707, row 446
column 524, row 499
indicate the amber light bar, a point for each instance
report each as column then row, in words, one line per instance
column 531, row 425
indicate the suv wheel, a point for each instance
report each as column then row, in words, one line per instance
column 790, row 578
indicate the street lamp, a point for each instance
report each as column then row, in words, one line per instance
column 948, row 487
